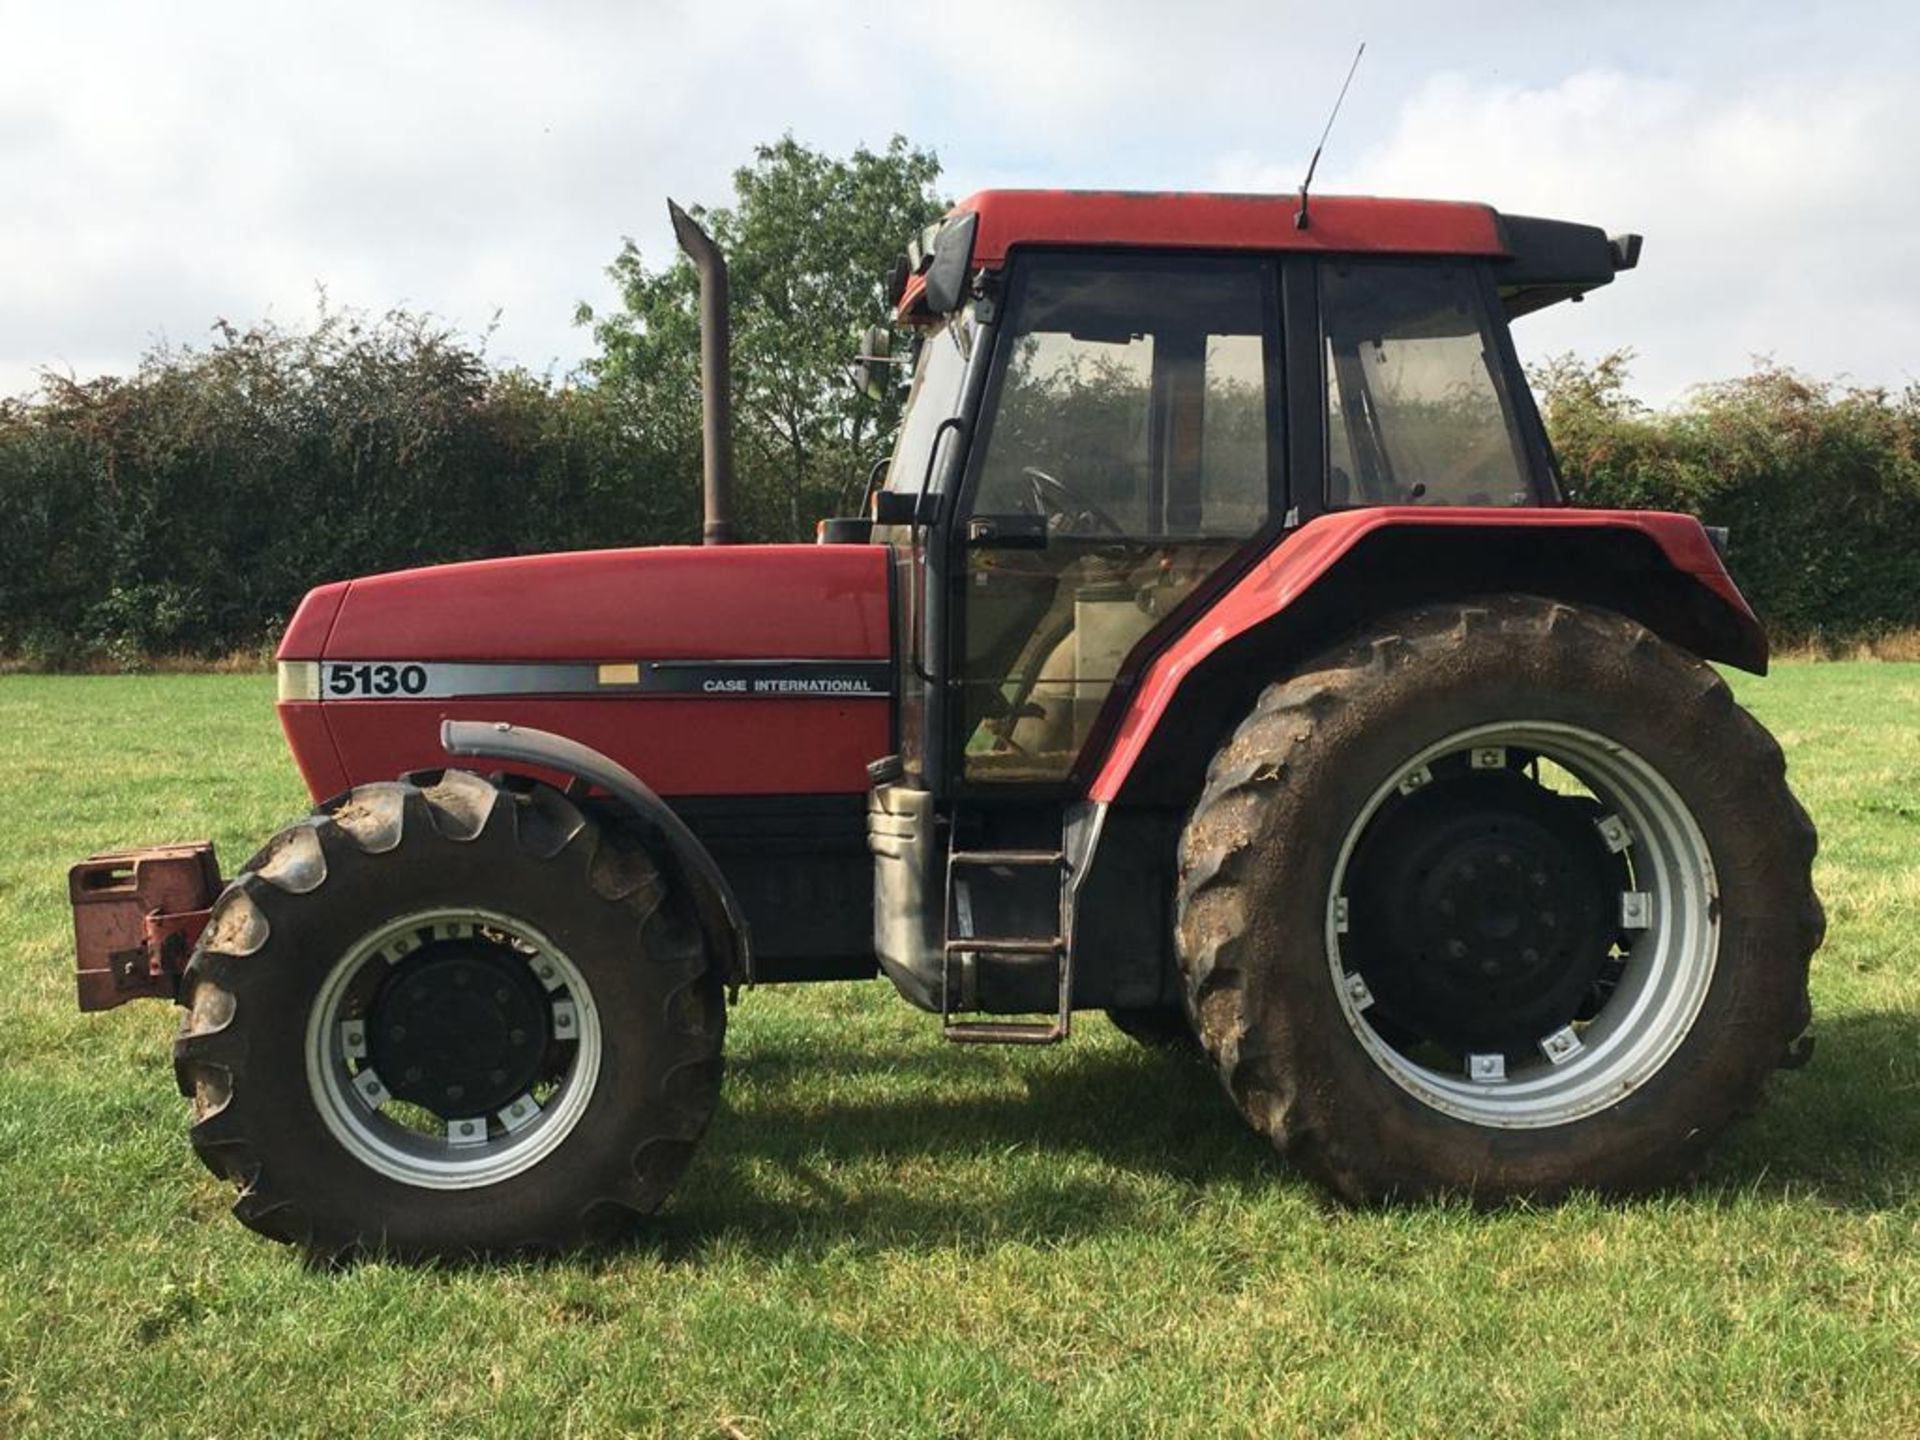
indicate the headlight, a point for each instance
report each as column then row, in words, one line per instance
column 299, row 679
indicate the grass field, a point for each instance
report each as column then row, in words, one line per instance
column 886, row 1236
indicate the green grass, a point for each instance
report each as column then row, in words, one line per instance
column 886, row 1236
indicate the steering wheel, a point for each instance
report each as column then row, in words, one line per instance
column 1057, row 500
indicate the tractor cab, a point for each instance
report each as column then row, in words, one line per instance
column 1120, row 406
column 1099, row 435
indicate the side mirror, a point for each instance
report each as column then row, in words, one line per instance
column 870, row 367
column 843, row 530
column 895, row 507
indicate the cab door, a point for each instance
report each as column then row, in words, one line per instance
column 1128, row 446
column 949, row 369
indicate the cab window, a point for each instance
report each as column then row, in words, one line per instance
column 1130, row 449
column 1418, row 405
column 939, row 375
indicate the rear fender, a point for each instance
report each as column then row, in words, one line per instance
column 1338, row 570
column 718, row 910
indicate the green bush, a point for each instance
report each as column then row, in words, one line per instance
column 1819, row 483
column 185, row 509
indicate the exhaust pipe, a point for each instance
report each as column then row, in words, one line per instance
column 716, row 401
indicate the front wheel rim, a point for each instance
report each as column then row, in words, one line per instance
column 1669, row 929
column 470, row 1150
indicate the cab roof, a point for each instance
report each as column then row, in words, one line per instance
column 1177, row 220
column 1541, row 260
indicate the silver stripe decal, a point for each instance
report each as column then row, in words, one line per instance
column 723, row 679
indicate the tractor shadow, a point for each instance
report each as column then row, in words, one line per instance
column 1845, row 1130
column 1090, row 1146
column 1111, row 1140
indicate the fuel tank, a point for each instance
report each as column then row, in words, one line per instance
column 707, row 671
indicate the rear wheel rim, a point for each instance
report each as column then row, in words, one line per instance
column 1657, row 977
column 508, row 1110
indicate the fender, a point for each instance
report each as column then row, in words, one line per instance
column 722, row 920
column 1661, row 569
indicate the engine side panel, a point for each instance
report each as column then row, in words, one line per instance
column 678, row 746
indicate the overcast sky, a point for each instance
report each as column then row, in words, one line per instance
column 164, row 166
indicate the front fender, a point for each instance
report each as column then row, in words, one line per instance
column 722, row 920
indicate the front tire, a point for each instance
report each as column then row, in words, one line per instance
column 1503, row 898
column 441, row 1018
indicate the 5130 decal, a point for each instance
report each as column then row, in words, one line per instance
column 356, row 680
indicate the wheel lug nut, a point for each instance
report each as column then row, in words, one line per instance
column 1447, row 907
column 1457, row 949
column 1530, row 955
column 496, row 1076
column 518, row 1036
column 396, row 1033
column 1489, row 967
column 1548, row 919
column 501, row 996
column 1539, row 877
column 456, row 1092
column 413, row 1074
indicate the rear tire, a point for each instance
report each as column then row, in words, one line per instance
column 1702, row 958
column 549, row 979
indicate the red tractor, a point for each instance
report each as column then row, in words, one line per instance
column 1216, row 652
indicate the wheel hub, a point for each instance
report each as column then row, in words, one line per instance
column 1483, row 910
column 460, row 1028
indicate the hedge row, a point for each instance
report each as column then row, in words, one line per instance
column 1819, row 484
column 184, row 509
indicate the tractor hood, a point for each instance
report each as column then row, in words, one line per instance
column 741, row 669
column 739, row 602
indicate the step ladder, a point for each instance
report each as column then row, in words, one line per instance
column 1053, row 950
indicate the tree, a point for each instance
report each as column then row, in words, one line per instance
column 808, row 240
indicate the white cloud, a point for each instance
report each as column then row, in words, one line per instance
column 1775, row 216
column 168, row 165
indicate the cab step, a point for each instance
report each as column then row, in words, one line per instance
column 1005, row 1032
column 1054, row 950
column 1009, row 858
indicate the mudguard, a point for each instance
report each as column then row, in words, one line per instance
column 721, row 917
column 1677, row 585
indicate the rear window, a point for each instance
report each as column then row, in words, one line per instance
column 1418, row 408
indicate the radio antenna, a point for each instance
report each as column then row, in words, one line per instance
column 1300, row 215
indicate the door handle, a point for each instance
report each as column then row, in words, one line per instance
column 1007, row 532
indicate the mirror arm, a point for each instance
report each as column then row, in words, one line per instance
column 875, row 473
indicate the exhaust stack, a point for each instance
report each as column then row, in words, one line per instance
column 716, row 401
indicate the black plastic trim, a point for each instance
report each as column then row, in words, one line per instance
column 946, row 283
